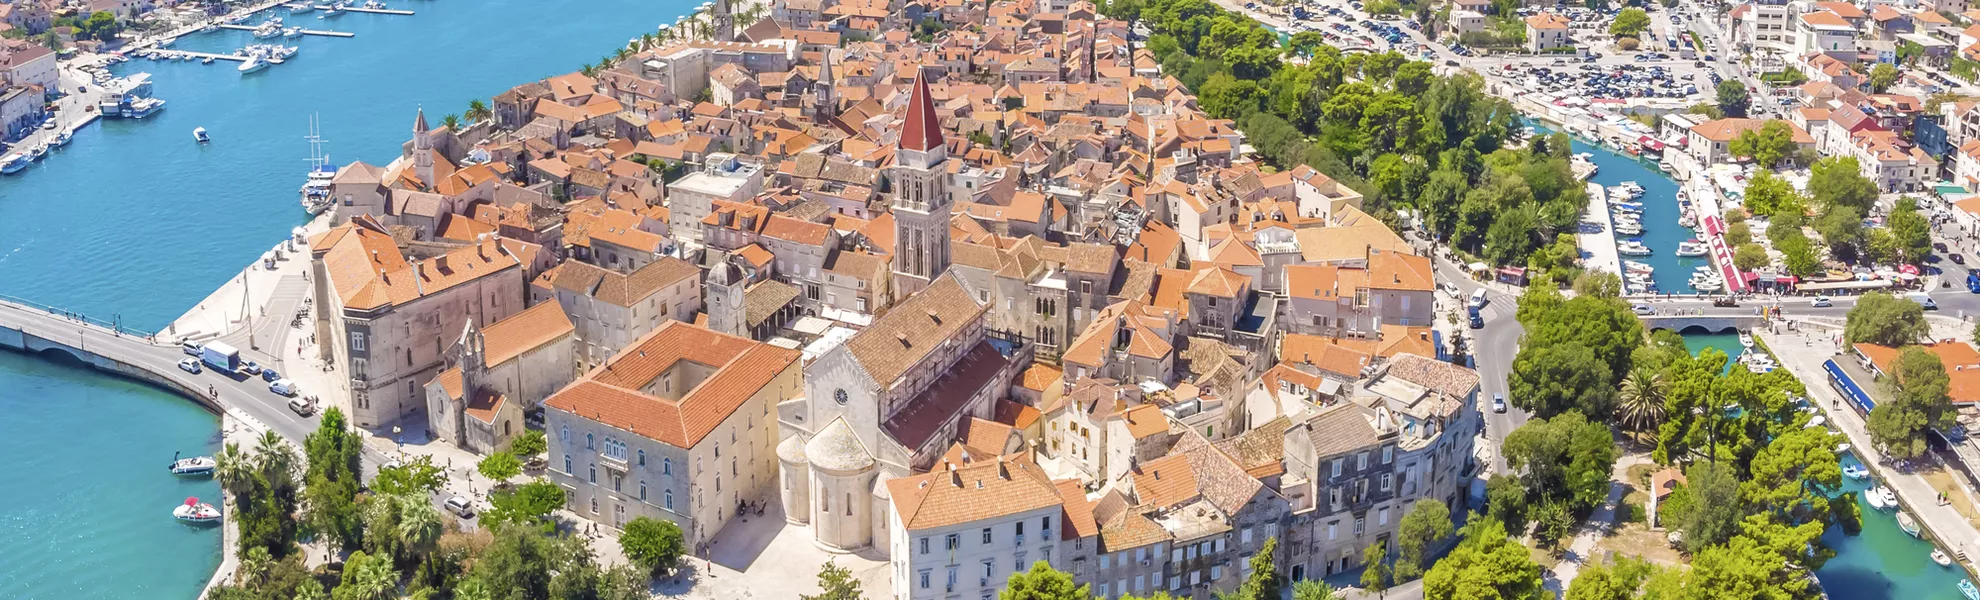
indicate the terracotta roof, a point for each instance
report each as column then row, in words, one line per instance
column 1340, row 428
column 797, row 231
column 972, row 493
column 1041, row 376
column 1165, row 481
column 1960, row 360
column 611, row 394
column 1145, row 420
column 1547, row 21
column 1218, row 281
column 622, row 289
column 524, row 331
column 1260, row 450
column 914, row 328
column 922, row 130
column 1438, row 376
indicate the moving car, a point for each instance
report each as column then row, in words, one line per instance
column 302, row 407
column 1823, row 302
column 191, row 348
column 1498, row 403
column 1643, row 309
column 283, row 387
column 270, row 375
column 459, row 506
column 190, row 365
column 1477, row 322
column 1956, row 258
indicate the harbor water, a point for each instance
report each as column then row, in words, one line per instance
column 1881, row 563
column 134, row 221
column 1661, row 231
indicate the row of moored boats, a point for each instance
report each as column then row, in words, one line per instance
column 1626, row 213
column 192, row 510
column 21, row 158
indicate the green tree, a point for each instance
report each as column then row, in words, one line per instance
column 330, row 498
column 1313, row 589
column 1506, row 499
column 415, row 476
column 1838, row 181
column 1748, row 257
column 1043, row 582
column 1556, row 379
column 1910, row 231
column 1617, row 580
column 1918, row 399
column 529, row 503
column 233, row 469
column 1739, row 234
column 1264, row 581
column 1374, row 568
column 1733, row 98
column 1768, row 194
column 451, row 121
column 1882, row 76
column 101, row 25
column 1885, row 320
column 500, row 466
column 1553, row 522
column 1629, row 23
column 837, row 582
column 1566, row 458
column 1428, row 521
column 1600, row 284
column 516, row 565
column 1715, row 511
column 1640, row 401
column 530, row 443
column 1486, row 564
column 1767, row 145
column 477, row 111
column 656, row 546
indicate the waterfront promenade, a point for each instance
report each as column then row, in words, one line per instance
column 1802, row 353
column 1598, row 233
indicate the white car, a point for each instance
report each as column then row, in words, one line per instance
column 1823, row 302
column 190, row 365
column 1644, row 309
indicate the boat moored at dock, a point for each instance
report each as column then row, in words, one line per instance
column 195, row 465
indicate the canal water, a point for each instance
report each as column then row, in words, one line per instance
column 1883, row 562
column 1661, row 231
column 135, row 221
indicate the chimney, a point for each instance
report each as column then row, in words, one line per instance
column 955, row 478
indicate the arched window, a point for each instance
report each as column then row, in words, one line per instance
column 642, row 458
column 567, row 465
column 564, row 433
column 642, row 490
column 849, row 505
column 666, row 466
column 668, row 497
column 588, row 442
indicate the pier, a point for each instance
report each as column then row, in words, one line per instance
column 341, row 34
column 182, row 53
column 375, row 11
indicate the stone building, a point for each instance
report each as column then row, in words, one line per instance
column 498, row 373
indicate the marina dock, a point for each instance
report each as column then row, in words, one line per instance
column 183, row 53
column 341, row 34
column 1598, row 233
column 375, row 11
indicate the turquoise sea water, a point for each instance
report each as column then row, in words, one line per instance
column 1661, row 231
column 1882, row 563
column 134, row 220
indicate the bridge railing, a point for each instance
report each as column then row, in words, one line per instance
column 70, row 315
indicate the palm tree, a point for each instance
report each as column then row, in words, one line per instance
column 1640, row 403
column 368, row 578
column 275, row 458
column 419, row 527
column 622, row 53
column 588, row 70
column 472, row 589
column 649, row 39
column 233, row 469
column 477, row 110
column 452, row 121
column 255, row 563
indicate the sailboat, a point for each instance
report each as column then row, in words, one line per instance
column 315, row 190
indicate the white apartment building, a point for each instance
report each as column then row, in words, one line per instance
column 961, row 532
column 692, row 198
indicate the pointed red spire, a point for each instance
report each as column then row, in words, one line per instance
column 923, row 132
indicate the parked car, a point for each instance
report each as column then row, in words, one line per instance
column 190, row 365
column 269, row 375
column 190, row 347
column 250, row 367
column 459, row 506
column 302, row 407
column 283, row 387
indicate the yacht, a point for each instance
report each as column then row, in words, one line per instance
column 199, row 135
column 14, row 163
column 1632, row 265
column 331, row 10
column 1692, row 248
column 1632, row 248
column 1687, row 221
column 194, row 511
column 1632, row 187
column 301, row 7
column 1966, row 589
column 252, row 64
column 1629, row 228
column 1635, row 207
column 1885, row 496
column 374, row 5
column 209, row 28
column 292, row 32
column 1707, row 285
column 1746, row 339
column 197, row 465
column 267, row 30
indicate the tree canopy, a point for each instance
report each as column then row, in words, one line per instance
column 1485, row 565
column 655, row 545
column 1767, row 146
column 1917, row 400
column 1885, row 320
column 1564, row 458
column 1733, row 98
column 1629, row 23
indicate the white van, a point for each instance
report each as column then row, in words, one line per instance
column 1923, row 299
column 1478, row 298
column 283, row 387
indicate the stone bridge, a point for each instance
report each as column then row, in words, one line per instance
column 1708, row 320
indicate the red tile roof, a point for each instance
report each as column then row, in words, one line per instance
column 922, row 132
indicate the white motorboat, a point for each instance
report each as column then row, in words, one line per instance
column 38, row 151
column 1746, row 339
column 1632, row 265
column 194, row 511
column 199, row 135
column 1693, row 248
column 196, row 465
column 301, row 7
column 1875, row 499
column 1632, row 248
column 209, row 28
column 1939, row 557
column 1629, row 228
column 267, row 30
column 1708, row 285
column 292, row 32
column 1884, row 497
column 63, row 138
column 253, row 63
column 374, row 5
column 1857, row 472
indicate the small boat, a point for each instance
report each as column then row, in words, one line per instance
column 1966, row 589
column 209, row 28
column 1746, row 339
column 197, row 465
column 300, row 8
column 206, row 61
column 199, row 135
column 292, row 32
column 1842, row 448
column 1632, row 248
column 1885, row 496
column 62, row 139
column 1875, row 499
column 1629, row 229
column 38, row 151
column 374, row 5
column 14, row 163
column 1857, row 472
column 1907, row 523
column 194, row 511
column 1939, row 556
column 1692, row 248
column 1632, row 265
column 1817, row 421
